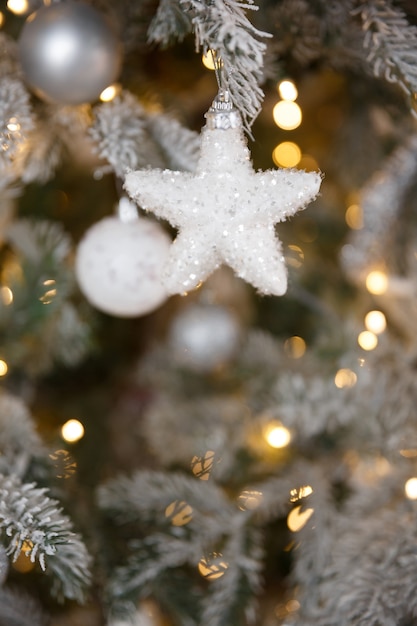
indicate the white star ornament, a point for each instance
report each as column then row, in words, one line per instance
column 225, row 212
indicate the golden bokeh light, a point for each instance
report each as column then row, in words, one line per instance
column 249, row 499
column 367, row 340
column 1, row 19
column 50, row 292
column 179, row 513
column 295, row 347
column 109, row 93
column 287, row 90
column 376, row 322
column 308, row 163
column 410, row 488
column 345, row 377
column 301, row 492
column 209, row 59
column 377, row 282
column 298, row 518
column 201, row 466
column 18, row 7
column 23, row 564
column 72, row 431
column 3, row 368
column 287, row 115
column 213, row 566
column 276, row 435
column 295, row 257
column 286, row 154
column 354, row 217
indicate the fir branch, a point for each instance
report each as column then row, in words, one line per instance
column 222, row 26
column 33, row 523
column 119, row 132
column 16, row 116
column 180, row 146
column 39, row 239
column 19, row 442
column 390, row 41
column 169, row 24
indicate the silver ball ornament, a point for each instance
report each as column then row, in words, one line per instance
column 69, row 53
column 203, row 337
column 119, row 265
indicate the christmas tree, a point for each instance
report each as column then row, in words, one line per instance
column 208, row 273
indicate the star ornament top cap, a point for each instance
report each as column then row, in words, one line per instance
column 222, row 114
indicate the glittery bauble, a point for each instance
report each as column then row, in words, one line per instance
column 204, row 337
column 69, row 53
column 119, row 264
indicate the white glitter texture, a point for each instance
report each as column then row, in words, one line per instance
column 225, row 213
column 119, row 265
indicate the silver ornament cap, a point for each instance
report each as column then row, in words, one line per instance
column 222, row 114
column 69, row 53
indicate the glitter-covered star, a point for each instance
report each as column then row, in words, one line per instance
column 225, row 212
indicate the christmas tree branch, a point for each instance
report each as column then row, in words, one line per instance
column 391, row 44
column 33, row 523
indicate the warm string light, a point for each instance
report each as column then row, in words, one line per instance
column 375, row 321
column 376, row 282
column 367, row 340
column 3, row 368
column 276, row 434
column 354, row 217
column 295, row 347
column 72, row 431
column 410, row 488
column 109, row 93
column 345, row 377
column 18, row 7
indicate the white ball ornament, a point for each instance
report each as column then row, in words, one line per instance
column 69, row 53
column 119, row 264
column 204, row 337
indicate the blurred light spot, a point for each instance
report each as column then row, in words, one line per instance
column 6, row 295
column 1, row 19
column 376, row 322
column 292, row 606
column 286, row 154
column 213, row 566
column 23, row 563
column 409, row 453
column 19, row 7
column 210, row 59
column 367, row 340
column 249, row 500
column 3, row 368
column 64, row 464
column 287, row 90
column 377, row 282
column 410, row 488
column 109, row 93
column 276, row 435
column 296, row 256
column 179, row 512
column 354, row 217
column 13, row 125
column 287, row 115
column 72, row 431
column 302, row 492
column 345, row 377
column 295, row 347
column 201, row 466
column 298, row 518
column 308, row 163
column 50, row 293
